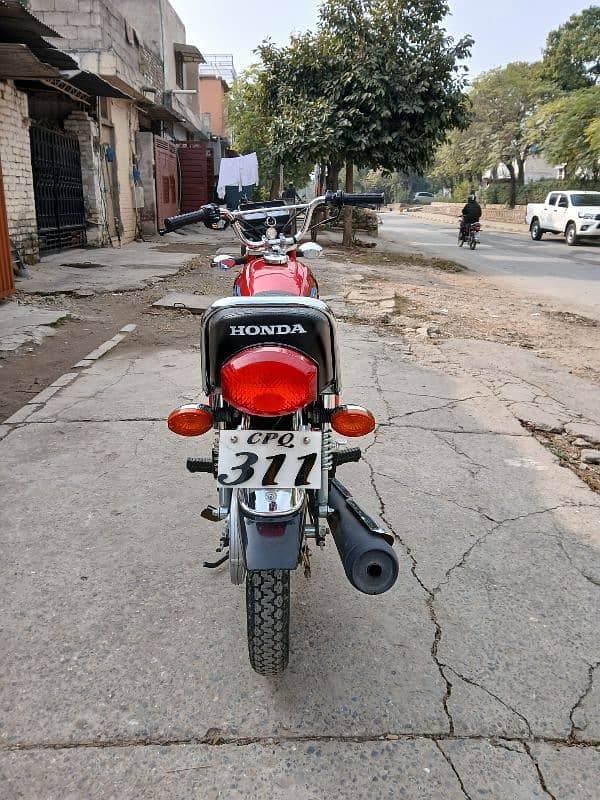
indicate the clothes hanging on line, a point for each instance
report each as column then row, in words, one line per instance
column 240, row 171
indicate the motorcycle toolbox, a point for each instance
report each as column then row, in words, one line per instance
column 238, row 323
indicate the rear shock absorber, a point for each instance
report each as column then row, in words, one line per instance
column 327, row 447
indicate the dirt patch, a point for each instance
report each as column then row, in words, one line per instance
column 176, row 247
column 569, row 456
column 573, row 319
column 357, row 255
column 464, row 306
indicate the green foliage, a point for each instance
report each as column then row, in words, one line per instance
column 397, row 187
column 253, row 131
column 377, row 85
column 461, row 191
column 498, row 192
column 503, row 100
column 572, row 54
column 592, row 134
column 567, row 130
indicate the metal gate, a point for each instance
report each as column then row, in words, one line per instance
column 197, row 177
column 167, row 179
column 58, row 189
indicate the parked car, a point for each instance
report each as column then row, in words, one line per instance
column 423, row 198
column 572, row 214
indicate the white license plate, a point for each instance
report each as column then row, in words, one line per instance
column 263, row 459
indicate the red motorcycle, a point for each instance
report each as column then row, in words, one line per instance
column 271, row 373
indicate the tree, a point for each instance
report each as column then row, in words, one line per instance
column 572, row 54
column 253, row 132
column 568, row 130
column 592, row 134
column 503, row 100
column 463, row 157
column 377, row 85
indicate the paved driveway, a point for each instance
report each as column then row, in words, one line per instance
column 123, row 661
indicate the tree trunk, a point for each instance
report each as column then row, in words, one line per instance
column 333, row 175
column 275, row 189
column 513, row 184
column 347, row 240
column 521, row 171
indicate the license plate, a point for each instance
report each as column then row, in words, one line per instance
column 267, row 459
column 477, row 237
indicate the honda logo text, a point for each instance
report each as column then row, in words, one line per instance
column 265, row 330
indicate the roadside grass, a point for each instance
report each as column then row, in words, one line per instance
column 58, row 323
column 401, row 303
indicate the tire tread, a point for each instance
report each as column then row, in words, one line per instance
column 268, row 619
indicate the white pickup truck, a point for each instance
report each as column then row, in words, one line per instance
column 574, row 214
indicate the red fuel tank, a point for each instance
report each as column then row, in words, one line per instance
column 257, row 277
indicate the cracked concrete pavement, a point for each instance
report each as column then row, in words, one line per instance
column 124, row 662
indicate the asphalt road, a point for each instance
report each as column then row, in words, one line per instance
column 570, row 275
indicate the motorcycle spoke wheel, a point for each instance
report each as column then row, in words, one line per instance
column 472, row 244
column 268, row 620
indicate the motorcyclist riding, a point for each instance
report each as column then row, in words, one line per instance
column 471, row 213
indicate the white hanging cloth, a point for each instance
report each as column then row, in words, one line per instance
column 230, row 174
column 239, row 171
column 250, row 170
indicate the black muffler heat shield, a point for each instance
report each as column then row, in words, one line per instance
column 365, row 549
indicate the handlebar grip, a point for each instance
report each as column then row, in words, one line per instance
column 356, row 199
column 181, row 220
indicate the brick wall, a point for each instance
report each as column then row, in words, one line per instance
column 495, row 213
column 96, row 33
column 15, row 152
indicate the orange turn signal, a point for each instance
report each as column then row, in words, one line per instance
column 192, row 420
column 352, row 421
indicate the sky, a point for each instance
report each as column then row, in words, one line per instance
column 504, row 30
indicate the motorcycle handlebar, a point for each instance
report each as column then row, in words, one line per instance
column 355, row 199
column 181, row 220
column 212, row 213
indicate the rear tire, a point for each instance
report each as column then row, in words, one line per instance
column 472, row 244
column 571, row 234
column 535, row 230
column 268, row 620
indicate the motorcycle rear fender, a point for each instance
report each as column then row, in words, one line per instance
column 271, row 542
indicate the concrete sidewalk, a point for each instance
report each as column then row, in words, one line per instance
column 118, row 269
column 124, row 662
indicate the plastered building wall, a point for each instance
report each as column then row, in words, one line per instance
column 212, row 101
column 125, row 123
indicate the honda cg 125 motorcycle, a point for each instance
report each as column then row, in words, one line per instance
column 271, row 375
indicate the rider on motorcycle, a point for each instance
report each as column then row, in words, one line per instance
column 471, row 213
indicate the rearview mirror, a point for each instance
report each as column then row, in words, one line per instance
column 310, row 250
column 223, row 262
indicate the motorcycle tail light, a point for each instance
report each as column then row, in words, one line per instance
column 352, row 421
column 269, row 381
column 191, row 420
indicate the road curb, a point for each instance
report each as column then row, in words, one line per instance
column 39, row 401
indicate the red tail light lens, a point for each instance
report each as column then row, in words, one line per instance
column 269, row 381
